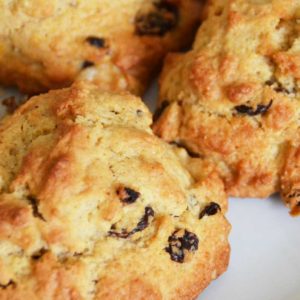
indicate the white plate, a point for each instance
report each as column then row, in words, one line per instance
column 265, row 243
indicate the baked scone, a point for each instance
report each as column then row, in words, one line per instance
column 234, row 98
column 94, row 206
column 117, row 44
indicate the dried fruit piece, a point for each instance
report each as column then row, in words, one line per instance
column 162, row 19
column 144, row 222
column 127, row 195
column 248, row 110
column 39, row 254
column 96, row 41
column 180, row 241
column 141, row 225
column 209, row 210
column 278, row 87
column 5, row 286
column 295, row 193
column 87, row 64
column 35, row 210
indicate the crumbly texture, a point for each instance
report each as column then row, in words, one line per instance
column 117, row 44
column 234, row 98
column 94, row 206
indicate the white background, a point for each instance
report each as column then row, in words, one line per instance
column 265, row 245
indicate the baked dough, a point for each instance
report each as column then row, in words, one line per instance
column 94, row 206
column 117, row 44
column 234, row 98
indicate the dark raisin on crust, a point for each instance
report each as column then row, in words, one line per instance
column 159, row 111
column 144, row 222
column 96, row 41
column 294, row 194
column 39, row 254
column 281, row 89
column 270, row 82
column 141, row 225
column 5, row 286
column 124, row 234
column 127, row 195
column 248, row 110
column 35, row 209
column 87, row 64
column 210, row 209
column 161, row 20
column 278, row 87
column 180, row 241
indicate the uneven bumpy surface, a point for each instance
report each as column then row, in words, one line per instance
column 94, row 206
column 117, row 44
column 234, row 98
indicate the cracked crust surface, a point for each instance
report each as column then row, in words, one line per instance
column 116, row 44
column 94, row 206
column 234, row 98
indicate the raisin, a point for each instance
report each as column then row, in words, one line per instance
column 5, row 286
column 270, row 81
column 281, row 89
column 248, row 110
column 192, row 154
column 127, row 195
column 160, row 110
column 142, row 224
column 87, row 64
column 35, row 210
column 294, row 194
column 178, row 243
column 209, row 210
column 39, row 254
column 278, row 87
column 96, row 41
column 161, row 20
column 122, row 235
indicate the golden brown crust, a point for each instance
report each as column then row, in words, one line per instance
column 290, row 180
column 116, row 44
column 94, row 206
column 234, row 97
